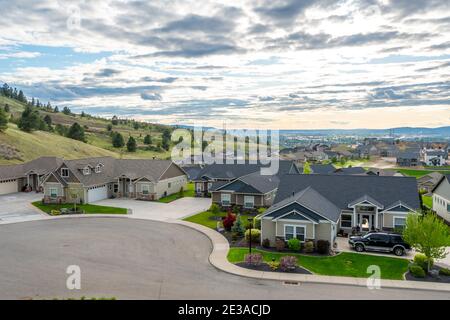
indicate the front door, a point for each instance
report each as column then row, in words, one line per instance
column 366, row 222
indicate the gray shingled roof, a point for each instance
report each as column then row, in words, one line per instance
column 343, row 189
column 40, row 166
column 350, row 170
column 251, row 183
column 322, row 168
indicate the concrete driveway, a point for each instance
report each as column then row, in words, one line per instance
column 16, row 207
column 157, row 211
column 133, row 259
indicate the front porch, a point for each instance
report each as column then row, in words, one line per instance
column 139, row 189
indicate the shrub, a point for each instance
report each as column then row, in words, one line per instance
column 238, row 227
column 288, row 263
column 274, row 265
column 294, row 244
column 236, row 209
column 422, row 261
column 253, row 259
column 444, row 272
column 266, row 243
column 257, row 224
column 229, row 221
column 214, row 209
column 417, row 271
column 323, row 246
column 309, row 247
column 280, row 244
column 256, row 235
column 234, row 236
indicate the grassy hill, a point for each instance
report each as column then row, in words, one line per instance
column 17, row 146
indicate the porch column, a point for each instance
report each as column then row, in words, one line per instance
column 129, row 189
column 354, row 217
column 376, row 218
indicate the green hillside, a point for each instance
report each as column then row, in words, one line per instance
column 17, row 146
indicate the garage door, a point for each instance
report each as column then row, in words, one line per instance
column 8, row 186
column 97, row 194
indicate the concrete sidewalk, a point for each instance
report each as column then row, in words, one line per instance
column 218, row 259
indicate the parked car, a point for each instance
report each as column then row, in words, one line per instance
column 380, row 241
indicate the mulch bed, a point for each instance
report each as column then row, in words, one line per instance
column 266, row 268
column 428, row 278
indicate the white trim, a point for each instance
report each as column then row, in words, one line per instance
column 400, row 217
column 290, row 212
column 68, row 172
column 266, row 213
column 295, row 226
column 401, row 204
column 365, row 200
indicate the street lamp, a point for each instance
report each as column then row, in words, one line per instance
column 250, row 220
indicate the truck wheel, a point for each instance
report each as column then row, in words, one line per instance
column 359, row 247
column 398, row 251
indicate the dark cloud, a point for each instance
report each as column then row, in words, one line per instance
column 152, row 96
column 164, row 80
column 436, row 67
column 266, row 98
column 198, row 23
column 441, row 46
column 106, row 73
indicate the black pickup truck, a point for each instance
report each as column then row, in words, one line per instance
column 380, row 241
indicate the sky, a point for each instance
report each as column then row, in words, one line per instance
column 286, row 64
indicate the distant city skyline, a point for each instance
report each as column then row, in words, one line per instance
column 359, row 64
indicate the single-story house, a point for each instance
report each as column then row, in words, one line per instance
column 441, row 198
column 93, row 179
column 225, row 173
column 429, row 181
column 27, row 176
column 317, row 207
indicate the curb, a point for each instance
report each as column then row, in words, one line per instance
column 218, row 258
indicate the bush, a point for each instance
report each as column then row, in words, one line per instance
column 294, row 244
column 253, row 259
column 214, row 209
column 421, row 260
column 417, row 271
column 309, row 247
column 444, row 272
column 323, row 246
column 238, row 227
column 266, row 243
column 288, row 263
column 256, row 235
column 229, row 221
column 257, row 224
column 280, row 244
column 274, row 265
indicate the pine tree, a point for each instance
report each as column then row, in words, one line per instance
column 30, row 120
column 148, row 139
column 76, row 132
column 117, row 140
column 21, row 97
column 114, row 121
column 3, row 120
column 67, row 111
column 56, row 110
column 48, row 120
column 131, row 144
column 7, row 109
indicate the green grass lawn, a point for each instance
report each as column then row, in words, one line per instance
column 189, row 192
column 88, row 208
column 203, row 218
column 417, row 173
column 346, row 264
column 427, row 201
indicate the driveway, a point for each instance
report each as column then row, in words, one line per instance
column 17, row 207
column 158, row 211
column 134, row 259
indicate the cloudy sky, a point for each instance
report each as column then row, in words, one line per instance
column 291, row 64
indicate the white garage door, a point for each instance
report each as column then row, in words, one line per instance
column 97, row 194
column 8, row 186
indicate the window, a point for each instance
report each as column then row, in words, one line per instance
column 399, row 222
column 346, row 221
column 53, row 192
column 64, row 172
column 145, row 189
column 448, row 207
column 294, row 232
column 169, row 185
column 225, row 198
column 116, row 188
column 86, row 171
column 98, row 168
column 249, row 201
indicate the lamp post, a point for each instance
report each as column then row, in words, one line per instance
column 250, row 236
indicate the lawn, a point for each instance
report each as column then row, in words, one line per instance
column 417, row 173
column 189, row 192
column 427, row 201
column 88, row 208
column 204, row 218
column 346, row 264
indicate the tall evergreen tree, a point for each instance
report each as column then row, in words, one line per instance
column 56, row 110
column 30, row 120
column 3, row 120
column 48, row 120
column 117, row 140
column 67, row 111
column 148, row 139
column 131, row 144
column 7, row 108
column 76, row 132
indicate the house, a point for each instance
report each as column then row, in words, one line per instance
column 93, row 179
column 384, row 172
column 317, row 207
column 192, row 171
column 322, row 168
column 365, row 151
column 229, row 172
column 248, row 192
column 27, row 176
column 351, row 171
column 429, row 181
column 441, row 198
column 408, row 159
column 435, row 157
column 389, row 151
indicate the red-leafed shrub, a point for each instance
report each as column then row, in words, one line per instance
column 253, row 259
column 229, row 221
column 288, row 263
